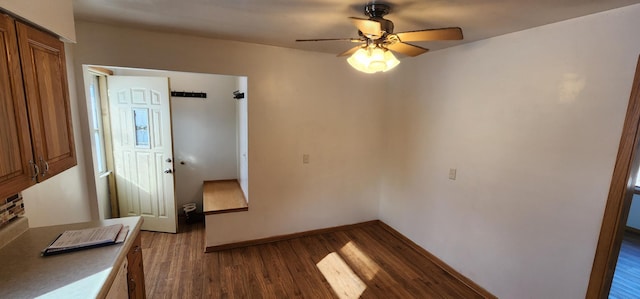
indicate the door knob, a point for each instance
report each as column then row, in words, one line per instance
column 168, row 170
column 168, row 160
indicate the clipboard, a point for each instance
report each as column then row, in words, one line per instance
column 86, row 238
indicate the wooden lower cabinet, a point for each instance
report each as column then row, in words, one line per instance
column 118, row 289
column 135, row 274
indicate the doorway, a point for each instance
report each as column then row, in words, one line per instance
column 210, row 134
column 626, row 278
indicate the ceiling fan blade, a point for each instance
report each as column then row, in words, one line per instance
column 368, row 27
column 407, row 49
column 452, row 33
column 354, row 40
column 350, row 51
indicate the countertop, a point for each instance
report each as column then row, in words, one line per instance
column 81, row 274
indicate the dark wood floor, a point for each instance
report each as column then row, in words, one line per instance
column 626, row 279
column 366, row 262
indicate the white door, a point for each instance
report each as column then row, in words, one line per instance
column 141, row 131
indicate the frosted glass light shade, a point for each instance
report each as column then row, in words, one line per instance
column 372, row 60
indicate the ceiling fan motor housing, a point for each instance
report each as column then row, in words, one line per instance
column 376, row 12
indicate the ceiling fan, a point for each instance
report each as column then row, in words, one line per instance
column 376, row 38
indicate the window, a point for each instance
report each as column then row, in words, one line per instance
column 141, row 122
column 96, row 125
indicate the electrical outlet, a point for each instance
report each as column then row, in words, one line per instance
column 305, row 158
column 452, row 173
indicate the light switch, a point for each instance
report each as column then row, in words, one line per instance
column 452, row 173
column 305, row 158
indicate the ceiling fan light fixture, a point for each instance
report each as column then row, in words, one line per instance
column 391, row 60
column 378, row 39
column 372, row 60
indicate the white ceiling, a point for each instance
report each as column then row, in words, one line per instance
column 281, row 22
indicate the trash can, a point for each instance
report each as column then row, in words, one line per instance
column 190, row 212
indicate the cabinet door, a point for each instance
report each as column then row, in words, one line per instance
column 46, row 90
column 15, row 140
column 118, row 289
column 136, row 271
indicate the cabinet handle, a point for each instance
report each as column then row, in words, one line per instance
column 36, row 170
column 46, row 166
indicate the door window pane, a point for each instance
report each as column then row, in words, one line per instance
column 141, row 122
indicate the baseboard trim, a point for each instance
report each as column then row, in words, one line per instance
column 287, row 237
column 633, row 230
column 444, row 266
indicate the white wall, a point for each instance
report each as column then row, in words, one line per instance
column 56, row 16
column 64, row 198
column 634, row 213
column 243, row 138
column 204, row 130
column 204, row 134
column 532, row 121
column 301, row 102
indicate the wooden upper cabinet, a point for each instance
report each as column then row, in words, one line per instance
column 36, row 137
column 16, row 172
column 47, row 96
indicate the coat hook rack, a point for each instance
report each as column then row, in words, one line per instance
column 238, row 95
column 188, row 94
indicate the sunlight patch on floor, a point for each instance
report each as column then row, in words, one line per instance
column 344, row 282
column 366, row 266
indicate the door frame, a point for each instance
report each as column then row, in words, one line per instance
column 102, row 74
column 619, row 198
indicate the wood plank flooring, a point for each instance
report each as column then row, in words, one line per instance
column 626, row 279
column 365, row 262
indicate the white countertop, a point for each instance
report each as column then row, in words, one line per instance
column 80, row 274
